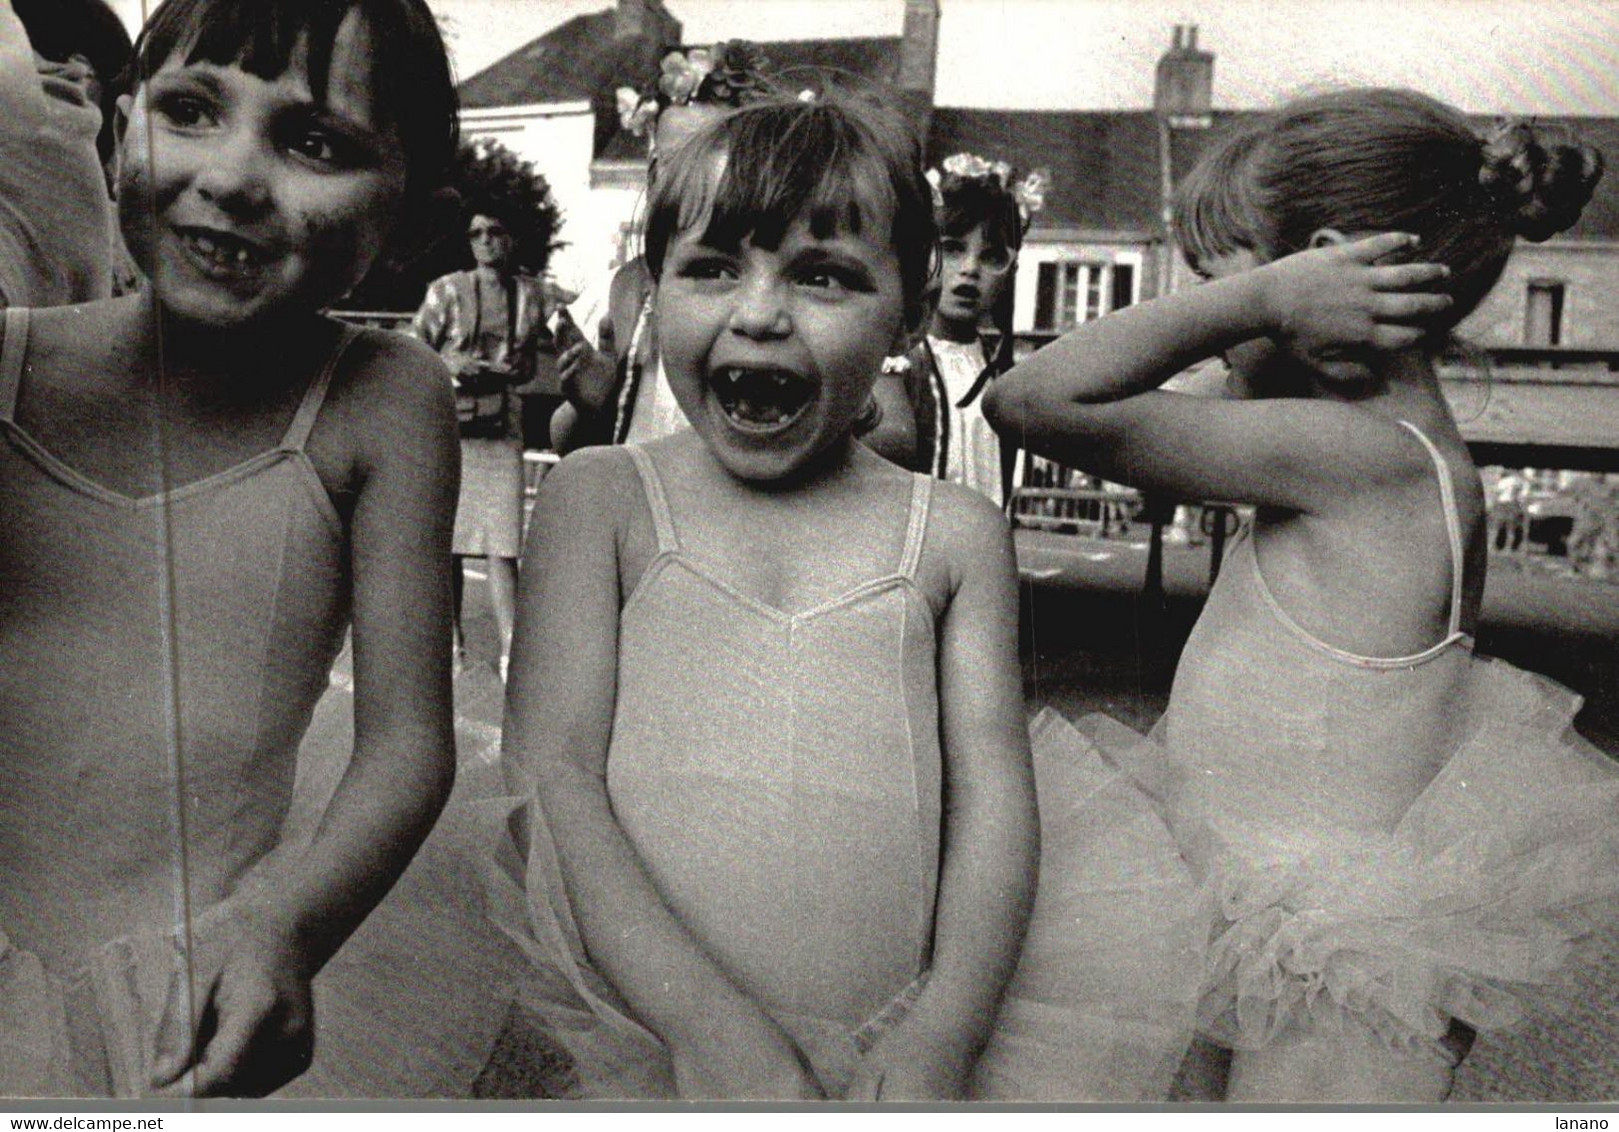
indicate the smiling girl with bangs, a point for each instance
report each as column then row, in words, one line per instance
column 237, row 479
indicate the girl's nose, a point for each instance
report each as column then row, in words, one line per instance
column 761, row 311
column 236, row 179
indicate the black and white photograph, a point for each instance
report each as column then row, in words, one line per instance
column 835, row 555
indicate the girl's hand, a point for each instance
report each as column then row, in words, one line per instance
column 1328, row 302
column 910, row 1064
column 239, row 1014
column 588, row 375
column 755, row 1060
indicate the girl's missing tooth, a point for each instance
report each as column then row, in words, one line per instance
column 235, row 478
column 765, row 683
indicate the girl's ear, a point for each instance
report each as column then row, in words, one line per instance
column 120, row 120
column 1327, row 237
column 120, row 128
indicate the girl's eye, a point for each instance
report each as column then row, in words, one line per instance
column 822, row 278
column 319, row 145
column 185, row 110
column 953, row 247
column 707, row 267
column 834, row 279
column 995, row 259
column 315, row 145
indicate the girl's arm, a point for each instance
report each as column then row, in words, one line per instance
column 991, row 843
column 894, row 437
column 558, row 722
column 590, row 377
column 1090, row 399
column 261, row 948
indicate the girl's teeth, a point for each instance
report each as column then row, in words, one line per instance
column 212, row 249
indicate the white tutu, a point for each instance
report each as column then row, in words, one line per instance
column 1499, row 869
column 1101, row 1007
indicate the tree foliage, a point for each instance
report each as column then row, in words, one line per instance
column 488, row 178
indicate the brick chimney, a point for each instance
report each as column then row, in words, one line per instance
column 645, row 19
column 1184, row 91
column 919, row 62
column 919, row 47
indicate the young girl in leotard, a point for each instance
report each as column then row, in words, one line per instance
column 766, row 688
column 235, row 479
column 1391, row 833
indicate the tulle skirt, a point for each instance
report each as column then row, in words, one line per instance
column 86, row 1034
column 1471, row 905
column 1101, row 1007
column 410, row 1007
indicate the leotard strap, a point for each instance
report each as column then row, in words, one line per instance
column 304, row 420
column 11, row 359
column 662, row 520
column 1453, row 525
column 917, row 529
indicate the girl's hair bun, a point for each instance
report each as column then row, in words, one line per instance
column 1540, row 184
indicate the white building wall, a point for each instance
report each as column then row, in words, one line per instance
column 557, row 139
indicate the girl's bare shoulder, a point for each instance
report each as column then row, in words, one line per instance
column 967, row 537
column 383, row 363
column 599, row 476
column 965, row 521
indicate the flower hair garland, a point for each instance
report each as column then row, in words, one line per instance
column 1029, row 193
column 722, row 75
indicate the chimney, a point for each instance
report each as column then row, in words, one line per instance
column 1183, row 94
column 918, row 62
column 645, row 19
column 919, row 46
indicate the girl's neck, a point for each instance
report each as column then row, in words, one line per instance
column 828, row 467
column 1404, row 386
column 494, row 273
column 954, row 329
column 254, row 355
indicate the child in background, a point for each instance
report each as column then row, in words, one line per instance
column 932, row 398
column 766, row 690
column 617, row 390
column 237, row 479
column 1393, row 835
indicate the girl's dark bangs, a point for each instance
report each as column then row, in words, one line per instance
column 258, row 36
column 981, row 207
column 807, row 167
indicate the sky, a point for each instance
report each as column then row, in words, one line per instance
column 1485, row 56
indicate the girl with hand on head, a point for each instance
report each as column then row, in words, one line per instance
column 765, row 684
column 238, row 479
column 1369, row 807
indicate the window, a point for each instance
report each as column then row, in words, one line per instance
column 1069, row 292
column 1543, row 314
